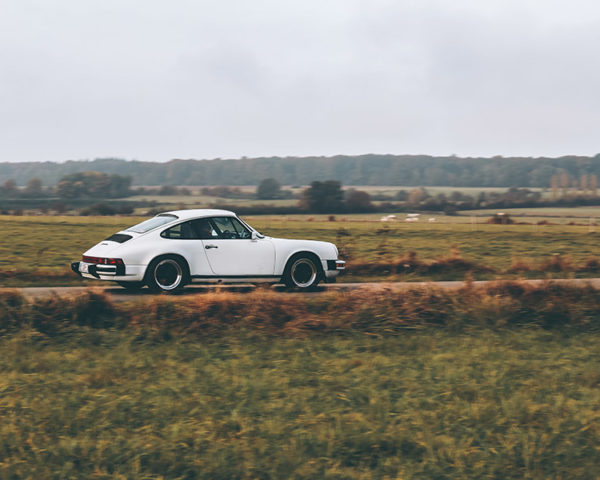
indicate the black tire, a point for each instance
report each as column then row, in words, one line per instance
column 168, row 273
column 302, row 272
column 132, row 286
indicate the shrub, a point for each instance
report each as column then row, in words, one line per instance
column 500, row 219
column 519, row 266
column 556, row 263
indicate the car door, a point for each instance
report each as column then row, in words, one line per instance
column 183, row 239
column 232, row 252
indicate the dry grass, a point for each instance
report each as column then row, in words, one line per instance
column 38, row 250
column 455, row 266
column 519, row 265
column 368, row 310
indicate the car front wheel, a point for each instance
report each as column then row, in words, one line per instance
column 302, row 273
column 166, row 274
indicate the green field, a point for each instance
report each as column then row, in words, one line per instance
column 196, row 200
column 554, row 214
column 491, row 405
column 49, row 244
column 499, row 384
column 493, row 245
column 435, row 190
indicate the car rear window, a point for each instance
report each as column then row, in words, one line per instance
column 119, row 238
column 152, row 223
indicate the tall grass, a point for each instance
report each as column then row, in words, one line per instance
column 377, row 311
column 109, row 404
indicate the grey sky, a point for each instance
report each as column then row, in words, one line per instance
column 155, row 80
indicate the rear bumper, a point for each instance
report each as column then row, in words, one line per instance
column 75, row 268
column 126, row 273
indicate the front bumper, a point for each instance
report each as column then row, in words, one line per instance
column 332, row 269
column 336, row 265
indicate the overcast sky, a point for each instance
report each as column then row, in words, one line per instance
column 156, row 80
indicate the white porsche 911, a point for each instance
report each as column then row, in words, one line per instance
column 180, row 247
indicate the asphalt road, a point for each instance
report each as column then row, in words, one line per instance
column 119, row 294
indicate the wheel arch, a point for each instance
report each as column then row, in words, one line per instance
column 302, row 253
column 185, row 262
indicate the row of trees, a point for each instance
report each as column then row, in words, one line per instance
column 409, row 170
column 320, row 197
column 328, row 197
column 564, row 185
column 76, row 185
column 33, row 189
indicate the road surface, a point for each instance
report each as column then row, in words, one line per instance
column 119, row 294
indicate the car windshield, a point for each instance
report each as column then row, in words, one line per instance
column 152, row 223
column 251, row 228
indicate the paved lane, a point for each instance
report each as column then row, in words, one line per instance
column 119, row 294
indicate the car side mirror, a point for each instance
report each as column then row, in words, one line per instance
column 254, row 236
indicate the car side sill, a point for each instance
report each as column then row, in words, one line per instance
column 235, row 278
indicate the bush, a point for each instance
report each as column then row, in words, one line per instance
column 268, row 189
column 500, row 219
column 104, row 209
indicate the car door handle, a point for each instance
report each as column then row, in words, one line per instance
column 208, row 247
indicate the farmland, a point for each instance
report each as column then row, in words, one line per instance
column 496, row 382
column 38, row 249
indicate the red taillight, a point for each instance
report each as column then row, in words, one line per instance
column 102, row 261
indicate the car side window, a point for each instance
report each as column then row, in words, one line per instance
column 230, row 228
column 181, row 231
column 203, row 228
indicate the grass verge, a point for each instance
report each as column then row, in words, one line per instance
column 372, row 311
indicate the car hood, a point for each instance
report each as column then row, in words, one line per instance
column 326, row 249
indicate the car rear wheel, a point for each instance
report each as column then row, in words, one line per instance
column 302, row 273
column 166, row 274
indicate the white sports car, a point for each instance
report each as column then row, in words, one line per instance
column 180, row 247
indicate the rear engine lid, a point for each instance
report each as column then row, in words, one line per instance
column 112, row 243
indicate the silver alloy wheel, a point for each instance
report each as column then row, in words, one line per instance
column 168, row 274
column 303, row 272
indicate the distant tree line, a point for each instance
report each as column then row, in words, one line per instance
column 329, row 197
column 74, row 186
column 87, row 194
column 92, row 190
column 93, row 185
column 409, row 170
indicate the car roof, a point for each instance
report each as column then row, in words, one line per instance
column 199, row 213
